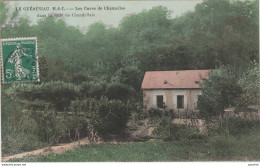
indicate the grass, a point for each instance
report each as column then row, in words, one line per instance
column 142, row 151
column 216, row 148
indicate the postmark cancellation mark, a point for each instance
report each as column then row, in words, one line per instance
column 19, row 60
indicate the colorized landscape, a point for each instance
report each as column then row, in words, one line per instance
column 90, row 92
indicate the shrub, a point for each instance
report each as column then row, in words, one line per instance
column 46, row 122
column 237, row 126
column 51, row 125
column 92, row 89
column 177, row 132
column 21, row 134
column 154, row 112
column 119, row 91
column 197, row 136
column 137, row 113
column 169, row 131
column 104, row 116
column 17, row 143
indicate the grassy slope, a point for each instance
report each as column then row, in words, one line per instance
column 217, row 147
column 146, row 151
column 143, row 151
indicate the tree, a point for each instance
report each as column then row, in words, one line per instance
column 3, row 14
column 147, row 30
column 219, row 91
column 228, row 87
column 220, row 32
column 249, row 82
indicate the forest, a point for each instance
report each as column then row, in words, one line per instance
column 92, row 81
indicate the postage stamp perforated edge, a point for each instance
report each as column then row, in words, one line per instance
column 36, row 57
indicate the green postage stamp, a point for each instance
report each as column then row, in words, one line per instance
column 19, row 60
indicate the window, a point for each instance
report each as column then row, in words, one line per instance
column 196, row 104
column 159, row 100
column 180, row 101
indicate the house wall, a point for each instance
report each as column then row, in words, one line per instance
column 149, row 97
column 170, row 98
column 175, row 93
column 192, row 97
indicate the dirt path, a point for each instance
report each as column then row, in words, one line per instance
column 54, row 149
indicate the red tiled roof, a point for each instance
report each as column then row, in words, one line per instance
column 179, row 79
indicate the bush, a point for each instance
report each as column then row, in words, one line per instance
column 176, row 132
column 32, row 129
column 104, row 116
column 119, row 91
column 169, row 131
column 155, row 112
column 237, row 126
column 137, row 113
column 92, row 89
column 53, row 126
column 197, row 136
column 46, row 122
column 17, row 143
column 21, row 134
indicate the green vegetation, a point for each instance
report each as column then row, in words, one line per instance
column 228, row 87
column 237, row 141
column 91, row 82
column 168, row 131
column 216, row 148
column 238, row 127
column 103, row 116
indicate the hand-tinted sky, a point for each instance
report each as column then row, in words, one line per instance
column 108, row 17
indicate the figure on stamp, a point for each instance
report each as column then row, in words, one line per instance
column 16, row 58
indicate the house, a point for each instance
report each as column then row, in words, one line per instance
column 178, row 89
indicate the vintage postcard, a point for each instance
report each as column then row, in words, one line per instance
column 130, row 81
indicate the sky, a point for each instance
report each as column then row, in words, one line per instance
column 111, row 18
